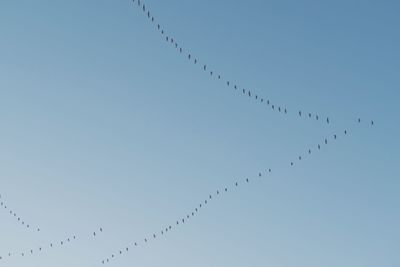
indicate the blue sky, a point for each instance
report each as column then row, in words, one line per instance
column 104, row 124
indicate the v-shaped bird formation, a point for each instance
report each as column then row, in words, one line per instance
column 166, row 229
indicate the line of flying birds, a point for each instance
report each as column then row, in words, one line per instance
column 17, row 217
column 49, row 246
column 246, row 92
column 163, row 231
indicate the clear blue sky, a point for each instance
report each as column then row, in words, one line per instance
column 104, row 124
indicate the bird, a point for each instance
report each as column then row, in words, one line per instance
column 372, row 122
column 327, row 120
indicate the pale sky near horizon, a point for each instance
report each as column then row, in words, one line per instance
column 105, row 124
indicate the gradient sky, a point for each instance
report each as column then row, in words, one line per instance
column 104, row 124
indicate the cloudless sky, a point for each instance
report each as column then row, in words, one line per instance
column 105, row 124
